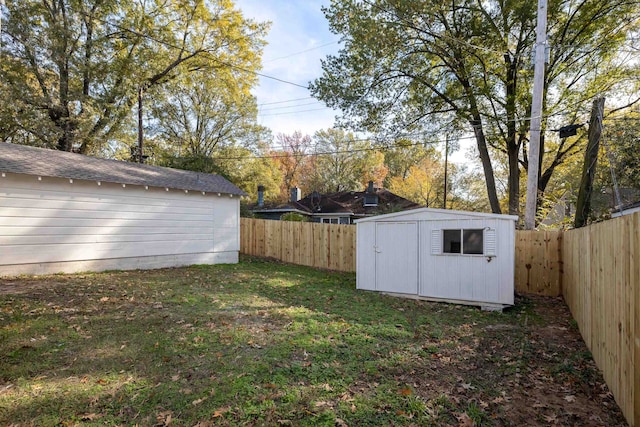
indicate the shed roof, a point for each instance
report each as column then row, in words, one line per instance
column 22, row 159
column 427, row 211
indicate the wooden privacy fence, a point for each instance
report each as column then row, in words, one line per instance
column 601, row 286
column 328, row 246
column 596, row 269
column 539, row 262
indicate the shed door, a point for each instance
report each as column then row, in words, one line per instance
column 397, row 257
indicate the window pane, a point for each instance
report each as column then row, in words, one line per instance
column 473, row 242
column 451, row 239
column 334, row 220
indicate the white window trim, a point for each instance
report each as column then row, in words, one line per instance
column 488, row 236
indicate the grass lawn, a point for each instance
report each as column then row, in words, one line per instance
column 262, row 343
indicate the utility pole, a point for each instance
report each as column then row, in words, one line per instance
column 536, row 117
column 140, row 130
column 583, row 205
column 446, row 164
column 1, row 5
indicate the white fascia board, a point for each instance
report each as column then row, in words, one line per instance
column 441, row 211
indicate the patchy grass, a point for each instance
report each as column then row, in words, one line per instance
column 262, row 343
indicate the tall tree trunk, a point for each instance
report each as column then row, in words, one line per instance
column 513, row 146
column 583, row 205
column 481, row 142
column 489, row 178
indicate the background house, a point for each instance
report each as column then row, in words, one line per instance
column 65, row 212
column 342, row 207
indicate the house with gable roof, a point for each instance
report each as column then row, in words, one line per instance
column 66, row 212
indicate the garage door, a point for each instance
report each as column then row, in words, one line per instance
column 397, row 257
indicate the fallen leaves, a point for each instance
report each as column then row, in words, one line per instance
column 164, row 418
column 464, row 420
column 405, row 391
column 199, row 401
column 220, row 412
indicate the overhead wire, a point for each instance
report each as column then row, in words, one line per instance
column 173, row 46
column 287, row 113
column 355, row 150
column 289, row 106
column 301, row 52
column 285, row 101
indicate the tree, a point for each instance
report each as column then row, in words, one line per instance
column 409, row 64
column 73, row 68
column 199, row 113
column 423, row 183
column 342, row 162
column 290, row 159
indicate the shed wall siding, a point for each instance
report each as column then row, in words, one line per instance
column 366, row 256
column 479, row 279
column 54, row 223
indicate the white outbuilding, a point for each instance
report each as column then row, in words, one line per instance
column 65, row 212
column 437, row 254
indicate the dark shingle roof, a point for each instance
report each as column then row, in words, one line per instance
column 353, row 202
column 59, row 164
column 343, row 202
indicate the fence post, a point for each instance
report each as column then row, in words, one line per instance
column 635, row 309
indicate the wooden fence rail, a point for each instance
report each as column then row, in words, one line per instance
column 596, row 269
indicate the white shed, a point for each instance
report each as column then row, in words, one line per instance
column 437, row 254
column 65, row 212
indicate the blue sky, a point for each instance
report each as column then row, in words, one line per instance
column 299, row 38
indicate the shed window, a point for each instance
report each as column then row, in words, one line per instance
column 452, row 241
column 469, row 242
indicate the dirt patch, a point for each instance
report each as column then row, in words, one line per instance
column 539, row 372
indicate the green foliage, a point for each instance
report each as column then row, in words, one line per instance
column 344, row 163
column 292, row 216
column 72, row 69
column 197, row 163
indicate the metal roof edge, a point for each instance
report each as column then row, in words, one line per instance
column 436, row 210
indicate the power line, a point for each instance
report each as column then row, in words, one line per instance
column 171, row 45
column 301, row 52
column 285, row 101
column 293, row 112
column 356, row 150
column 290, row 106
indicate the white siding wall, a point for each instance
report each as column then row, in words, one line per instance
column 469, row 277
column 55, row 225
column 226, row 224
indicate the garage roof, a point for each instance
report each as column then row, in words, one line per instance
column 22, row 159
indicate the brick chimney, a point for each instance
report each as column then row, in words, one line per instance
column 370, row 196
column 295, row 194
column 260, row 196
